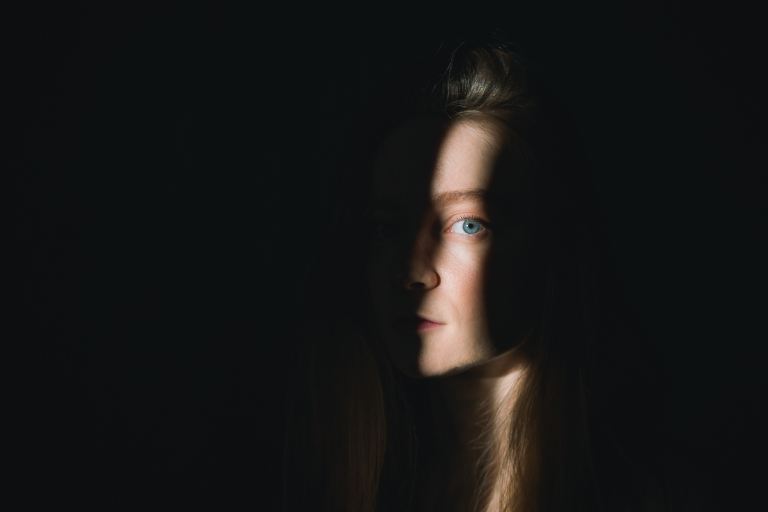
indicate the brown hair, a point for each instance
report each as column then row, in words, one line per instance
column 351, row 438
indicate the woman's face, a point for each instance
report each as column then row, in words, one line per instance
column 449, row 246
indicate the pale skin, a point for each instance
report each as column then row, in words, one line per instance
column 451, row 255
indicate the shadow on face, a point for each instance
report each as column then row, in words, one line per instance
column 450, row 258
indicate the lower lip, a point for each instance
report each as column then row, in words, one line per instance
column 426, row 325
column 411, row 324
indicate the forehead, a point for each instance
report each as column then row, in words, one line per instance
column 426, row 158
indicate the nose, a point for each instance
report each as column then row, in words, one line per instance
column 420, row 273
column 425, row 281
column 420, row 277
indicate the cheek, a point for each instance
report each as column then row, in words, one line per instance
column 379, row 283
column 511, row 310
column 374, row 276
column 464, row 279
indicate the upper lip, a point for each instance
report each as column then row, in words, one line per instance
column 418, row 317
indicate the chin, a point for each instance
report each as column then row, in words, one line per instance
column 429, row 369
column 417, row 361
column 415, row 370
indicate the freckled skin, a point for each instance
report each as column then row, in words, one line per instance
column 473, row 283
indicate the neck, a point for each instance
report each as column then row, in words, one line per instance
column 477, row 407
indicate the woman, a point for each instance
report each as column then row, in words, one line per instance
column 466, row 379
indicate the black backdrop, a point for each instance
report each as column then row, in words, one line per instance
column 173, row 171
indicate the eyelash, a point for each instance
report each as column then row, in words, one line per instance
column 377, row 224
column 486, row 225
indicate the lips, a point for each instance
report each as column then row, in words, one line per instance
column 417, row 322
column 428, row 319
column 425, row 325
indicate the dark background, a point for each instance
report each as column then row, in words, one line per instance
column 172, row 168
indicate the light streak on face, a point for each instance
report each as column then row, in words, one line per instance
column 448, row 244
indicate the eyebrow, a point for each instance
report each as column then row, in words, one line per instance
column 454, row 196
column 441, row 199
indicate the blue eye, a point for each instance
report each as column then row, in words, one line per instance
column 387, row 229
column 469, row 226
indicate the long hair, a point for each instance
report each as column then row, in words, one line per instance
column 353, row 440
